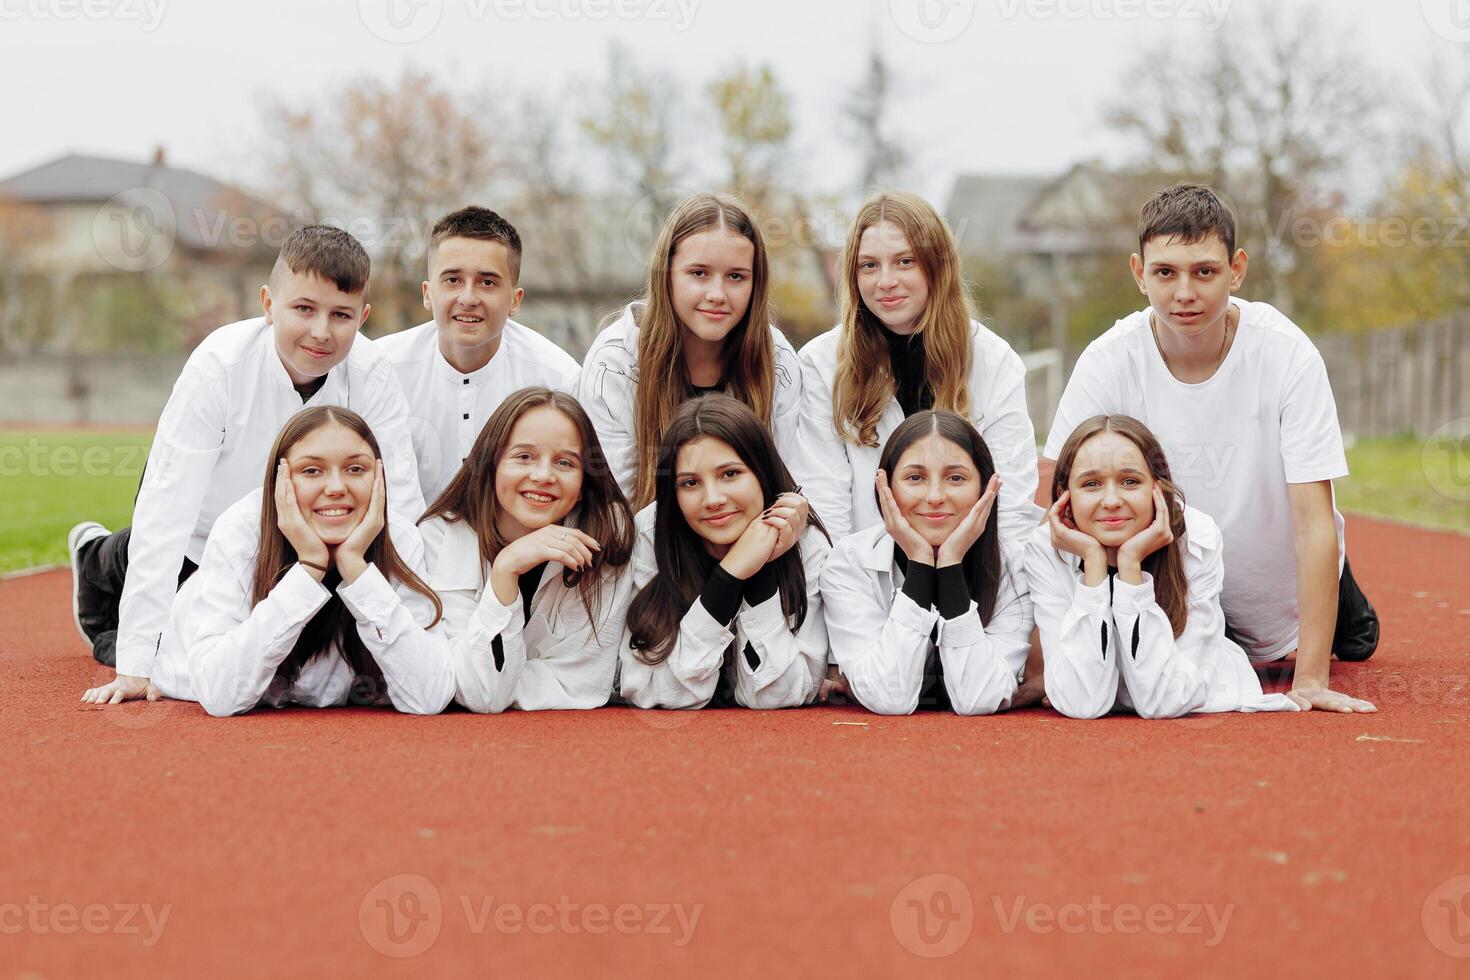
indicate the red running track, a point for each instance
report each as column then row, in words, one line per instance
column 809, row 842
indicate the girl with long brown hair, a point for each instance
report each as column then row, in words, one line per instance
column 1125, row 579
column 308, row 593
column 703, row 324
column 527, row 549
column 729, row 608
column 926, row 608
column 908, row 340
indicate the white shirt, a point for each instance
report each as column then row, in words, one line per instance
column 1111, row 647
column 840, row 480
column 881, row 638
column 224, row 653
column 608, row 384
column 1265, row 419
column 555, row 658
column 788, row 664
column 210, row 449
column 448, row 409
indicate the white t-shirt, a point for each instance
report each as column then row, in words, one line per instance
column 447, row 409
column 1265, row 419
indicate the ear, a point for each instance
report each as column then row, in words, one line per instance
column 427, row 305
column 366, row 309
column 265, row 301
column 515, row 303
column 1237, row 268
column 1135, row 263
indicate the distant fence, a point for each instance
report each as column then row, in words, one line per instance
column 1409, row 379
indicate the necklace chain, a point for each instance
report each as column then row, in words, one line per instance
column 1153, row 326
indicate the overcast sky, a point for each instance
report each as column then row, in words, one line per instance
column 998, row 86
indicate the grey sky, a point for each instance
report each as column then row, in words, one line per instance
column 1017, row 89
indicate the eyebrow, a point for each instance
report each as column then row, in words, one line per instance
column 319, row 459
column 709, row 265
column 531, row 445
column 1122, row 469
column 719, row 466
column 482, row 272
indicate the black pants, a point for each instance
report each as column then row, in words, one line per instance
column 1355, row 635
column 102, row 568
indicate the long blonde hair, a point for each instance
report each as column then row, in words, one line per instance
column 663, row 376
column 864, row 383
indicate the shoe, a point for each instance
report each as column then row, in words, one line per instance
column 81, row 535
column 1356, row 634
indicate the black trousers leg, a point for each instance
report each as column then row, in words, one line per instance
column 102, row 568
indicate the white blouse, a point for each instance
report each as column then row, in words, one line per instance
column 222, row 652
column 1111, row 647
column 557, row 657
column 767, row 663
column 881, row 638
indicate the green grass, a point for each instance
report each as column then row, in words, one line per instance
column 1409, row 480
column 51, row 480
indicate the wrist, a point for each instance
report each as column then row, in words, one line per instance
column 922, row 554
column 350, row 566
column 736, row 567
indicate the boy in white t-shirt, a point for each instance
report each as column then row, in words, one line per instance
column 457, row 368
column 1239, row 398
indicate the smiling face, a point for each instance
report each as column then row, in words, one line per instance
column 889, row 279
column 332, row 471
column 538, row 477
column 314, row 322
column 719, row 494
column 710, row 282
column 1189, row 285
column 1112, row 489
column 935, row 483
column 471, row 291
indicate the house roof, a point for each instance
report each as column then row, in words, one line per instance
column 199, row 202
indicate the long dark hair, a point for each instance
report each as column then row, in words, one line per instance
column 683, row 563
column 277, row 556
column 1171, row 587
column 601, row 510
column 982, row 562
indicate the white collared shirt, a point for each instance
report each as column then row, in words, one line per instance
column 447, row 409
column 223, row 652
column 210, row 449
column 783, row 667
column 1111, row 647
column 1266, row 418
column 881, row 638
column 555, row 658
column 608, row 384
column 840, row 476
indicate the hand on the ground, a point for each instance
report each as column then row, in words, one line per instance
column 1318, row 696
column 123, row 687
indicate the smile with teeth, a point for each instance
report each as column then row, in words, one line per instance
column 537, row 498
column 334, row 511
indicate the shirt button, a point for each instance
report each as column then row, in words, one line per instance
column 466, row 416
column 466, row 380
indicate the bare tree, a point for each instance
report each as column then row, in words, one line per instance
column 632, row 117
column 1273, row 114
column 385, row 159
column 755, row 125
column 866, row 112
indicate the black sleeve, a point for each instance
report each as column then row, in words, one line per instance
column 918, row 584
column 952, row 597
column 762, row 585
column 721, row 595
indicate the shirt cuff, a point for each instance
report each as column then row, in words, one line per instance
column 1132, row 600
column 918, row 584
column 370, row 599
column 951, row 595
column 721, row 596
column 1093, row 600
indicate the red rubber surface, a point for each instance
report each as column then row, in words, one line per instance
column 799, row 835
